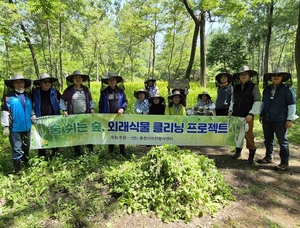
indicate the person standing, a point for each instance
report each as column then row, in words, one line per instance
column 17, row 116
column 246, row 103
column 45, row 101
column 151, row 87
column 113, row 100
column 175, row 106
column 278, row 110
column 141, row 105
column 224, row 93
column 77, row 99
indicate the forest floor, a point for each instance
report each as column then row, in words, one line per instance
column 264, row 197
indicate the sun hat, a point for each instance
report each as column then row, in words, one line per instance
column 111, row 75
column 150, row 79
column 204, row 93
column 136, row 93
column 245, row 69
column 9, row 82
column 285, row 75
column 43, row 76
column 229, row 76
column 175, row 93
column 161, row 99
column 85, row 77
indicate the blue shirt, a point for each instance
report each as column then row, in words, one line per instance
column 141, row 107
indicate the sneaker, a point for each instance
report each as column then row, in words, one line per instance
column 265, row 160
column 281, row 167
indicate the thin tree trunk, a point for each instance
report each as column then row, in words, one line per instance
column 297, row 54
column 60, row 55
column 268, row 38
column 50, row 47
column 8, row 60
column 202, row 50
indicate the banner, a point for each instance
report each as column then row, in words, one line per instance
column 82, row 129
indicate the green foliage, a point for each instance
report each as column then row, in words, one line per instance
column 173, row 183
column 227, row 52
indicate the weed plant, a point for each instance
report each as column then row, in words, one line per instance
column 173, row 183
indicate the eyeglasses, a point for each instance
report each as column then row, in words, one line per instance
column 46, row 81
column 276, row 75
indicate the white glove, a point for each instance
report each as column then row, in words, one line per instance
column 33, row 118
column 6, row 131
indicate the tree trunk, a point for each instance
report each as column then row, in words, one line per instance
column 50, row 48
column 202, row 50
column 60, row 55
column 195, row 37
column 297, row 54
column 268, row 38
column 8, row 60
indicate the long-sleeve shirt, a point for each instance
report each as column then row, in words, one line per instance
column 141, row 107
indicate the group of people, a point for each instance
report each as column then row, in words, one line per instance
column 276, row 108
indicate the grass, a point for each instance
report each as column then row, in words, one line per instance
column 65, row 192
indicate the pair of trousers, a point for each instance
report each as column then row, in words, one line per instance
column 276, row 128
column 20, row 144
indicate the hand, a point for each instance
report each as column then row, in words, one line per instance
column 92, row 111
column 260, row 119
column 33, row 118
column 65, row 113
column 248, row 118
column 120, row 111
column 6, row 131
column 229, row 113
column 288, row 124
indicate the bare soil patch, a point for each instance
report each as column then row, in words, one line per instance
column 264, row 197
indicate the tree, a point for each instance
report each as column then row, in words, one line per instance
column 227, row 52
column 297, row 53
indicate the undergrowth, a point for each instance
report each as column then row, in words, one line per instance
column 173, row 183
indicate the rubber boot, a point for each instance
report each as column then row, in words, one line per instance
column 111, row 148
column 77, row 151
column 122, row 150
column 251, row 157
column 237, row 153
column 17, row 165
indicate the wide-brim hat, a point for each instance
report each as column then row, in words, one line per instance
column 43, row 76
column 285, row 75
column 175, row 93
column 245, row 69
column 204, row 93
column 150, row 79
column 161, row 99
column 9, row 82
column 69, row 78
column 218, row 76
column 136, row 93
column 111, row 75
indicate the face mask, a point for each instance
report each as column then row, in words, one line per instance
column 20, row 90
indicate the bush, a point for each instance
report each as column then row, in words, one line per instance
column 173, row 183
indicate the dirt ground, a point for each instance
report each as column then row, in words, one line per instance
column 264, row 197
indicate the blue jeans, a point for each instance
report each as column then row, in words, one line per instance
column 20, row 143
column 280, row 131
